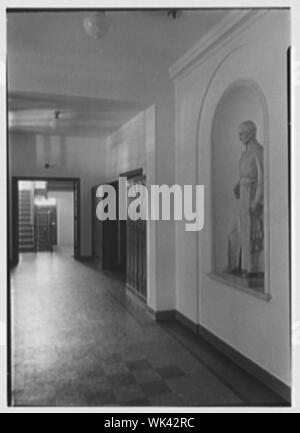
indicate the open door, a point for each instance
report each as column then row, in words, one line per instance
column 76, row 219
column 97, row 232
column 136, row 272
column 120, row 246
column 110, row 236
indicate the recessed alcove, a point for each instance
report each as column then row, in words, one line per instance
column 241, row 102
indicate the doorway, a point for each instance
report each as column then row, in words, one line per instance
column 119, row 246
column 46, row 215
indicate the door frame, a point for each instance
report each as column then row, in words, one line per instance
column 15, row 212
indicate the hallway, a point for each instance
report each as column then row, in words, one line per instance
column 80, row 340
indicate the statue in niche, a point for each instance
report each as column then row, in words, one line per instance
column 246, row 234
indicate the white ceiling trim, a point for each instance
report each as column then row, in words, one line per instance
column 231, row 25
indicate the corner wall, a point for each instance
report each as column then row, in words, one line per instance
column 258, row 329
column 147, row 141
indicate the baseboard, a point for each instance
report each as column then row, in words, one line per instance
column 162, row 316
column 272, row 382
column 135, row 293
column 13, row 263
column 85, row 258
column 247, row 365
column 187, row 323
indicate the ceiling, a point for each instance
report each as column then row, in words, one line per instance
column 94, row 117
column 53, row 63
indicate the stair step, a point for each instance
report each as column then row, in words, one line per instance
column 26, row 250
column 26, row 244
column 25, row 238
column 25, row 233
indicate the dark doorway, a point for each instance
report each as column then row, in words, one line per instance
column 125, row 232
column 45, row 228
column 136, row 247
column 34, row 222
column 120, row 246
column 111, row 238
column 105, row 236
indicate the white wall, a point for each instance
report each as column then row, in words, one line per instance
column 147, row 141
column 126, row 148
column 65, row 216
column 165, row 175
column 255, row 327
column 78, row 157
column 129, row 148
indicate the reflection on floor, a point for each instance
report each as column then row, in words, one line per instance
column 79, row 340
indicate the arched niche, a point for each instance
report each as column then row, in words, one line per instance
column 242, row 101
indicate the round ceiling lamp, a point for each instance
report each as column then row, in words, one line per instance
column 96, row 25
column 174, row 14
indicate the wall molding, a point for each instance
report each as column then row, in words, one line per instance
column 246, row 364
column 229, row 27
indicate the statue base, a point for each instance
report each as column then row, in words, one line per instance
column 254, row 281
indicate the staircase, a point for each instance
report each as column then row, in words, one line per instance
column 26, row 228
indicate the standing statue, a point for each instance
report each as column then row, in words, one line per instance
column 246, row 234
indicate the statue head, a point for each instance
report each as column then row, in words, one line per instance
column 247, row 131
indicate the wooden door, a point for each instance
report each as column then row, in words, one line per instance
column 110, row 237
column 97, row 231
column 136, row 273
column 76, row 202
column 123, row 247
column 45, row 227
column 53, row 226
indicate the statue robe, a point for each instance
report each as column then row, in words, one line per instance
column 246, row 235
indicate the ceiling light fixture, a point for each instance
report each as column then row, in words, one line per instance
column 54, row 122
column 96, row 25
column 174, row 14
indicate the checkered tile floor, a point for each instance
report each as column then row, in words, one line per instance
column 135, row 383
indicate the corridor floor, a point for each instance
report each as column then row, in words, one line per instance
column 79, row 340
